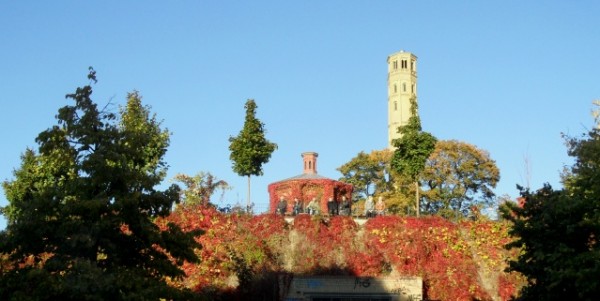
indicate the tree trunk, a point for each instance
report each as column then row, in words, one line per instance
column 248, row 203
column 417, row 196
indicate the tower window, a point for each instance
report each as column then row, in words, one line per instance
column 412, row 87
column 395, row 88
column 403, row 87
column 404, row 64
column 412, row 65
column 395, row 65
column 395, row 106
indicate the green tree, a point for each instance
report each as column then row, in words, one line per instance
column 199, row 188
column 458, row 176
column 400, row 198
column 369, row 173
column 557, row 230
column 250, row 149
column 412, row 150
column 81, row 210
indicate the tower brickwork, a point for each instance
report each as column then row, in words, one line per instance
column 402, row 86
column 310, row 162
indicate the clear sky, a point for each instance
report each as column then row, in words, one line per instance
column 506, row 76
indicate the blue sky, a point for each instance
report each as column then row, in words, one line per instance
column 506, row 76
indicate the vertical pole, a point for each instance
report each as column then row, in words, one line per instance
column 417, row 196
column 248, row 205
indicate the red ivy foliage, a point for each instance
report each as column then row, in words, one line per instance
column 446, row 255
column 326, row 245
column 267, row 225
column 488, row 240
column 306, row 189
column 429, row 247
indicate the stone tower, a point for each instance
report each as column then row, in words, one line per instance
column 402, row 86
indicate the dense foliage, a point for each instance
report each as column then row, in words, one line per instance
column 243, row 256
column 82, row 208
column 458, row 177
column 414, row 146
column 456, row 181
column 558, row 231
column 372, row 175
column 367, row 173
column 240, row 255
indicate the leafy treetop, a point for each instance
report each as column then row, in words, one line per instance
column 459, row 177
column 558, row 230
column 414, row 147
column 199, row 188
column 250, row 149
column 81, row 210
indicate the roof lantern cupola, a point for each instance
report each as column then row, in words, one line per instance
column 310, row 162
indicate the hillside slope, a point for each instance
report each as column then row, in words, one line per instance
column 244, row 256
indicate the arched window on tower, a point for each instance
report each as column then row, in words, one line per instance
column 412, row 87
column 395, row 65
column 395, row 106
column 403, row 87
column 395, row 88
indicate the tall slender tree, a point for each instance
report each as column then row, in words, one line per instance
column 81, row 210
column 412, row 149
column 250, row 149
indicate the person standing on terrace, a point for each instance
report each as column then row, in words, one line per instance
column 332, row 206
column 369, row 207
column 282, row 206
column 313, row 207
column 380, row 206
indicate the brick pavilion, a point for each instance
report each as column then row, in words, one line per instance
column 307, row 185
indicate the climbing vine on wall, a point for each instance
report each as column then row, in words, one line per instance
column 306, row 189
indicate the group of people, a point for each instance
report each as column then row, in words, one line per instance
column 313, row 207
column 338, row 208
column 374, row 209
column 342, row 207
